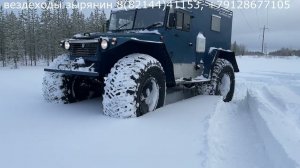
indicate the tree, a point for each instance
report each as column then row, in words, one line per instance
column 45, row 32
column 103, row 21
column 14, row 43
column 239, row 49
column 35, row 35
column 23, row 22
column 283, row 52
column 2, row 37
column 34, row 39
column 96, row 22
column 30, row 21
column 234, row 47
column 66, row 23
column 77, row 20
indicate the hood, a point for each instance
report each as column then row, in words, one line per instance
column 152, row 35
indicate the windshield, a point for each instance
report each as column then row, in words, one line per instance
column 121, row 20
column 124, row 20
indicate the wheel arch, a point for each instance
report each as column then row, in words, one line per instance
column 211, row 58
column 229, row 56
column 156, row 50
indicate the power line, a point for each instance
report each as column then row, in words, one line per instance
column 268, row 16
column 246, row 20
column 257, row 18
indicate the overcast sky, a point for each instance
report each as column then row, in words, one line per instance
column 283, row 24
column 284, row 27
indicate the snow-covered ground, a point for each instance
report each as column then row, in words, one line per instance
column 260, row 128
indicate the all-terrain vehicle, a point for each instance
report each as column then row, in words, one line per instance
column 144, row 52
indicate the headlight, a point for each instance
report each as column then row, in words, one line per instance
column 104, row 44
column 67, row 45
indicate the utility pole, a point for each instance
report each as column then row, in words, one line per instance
column 263, row 40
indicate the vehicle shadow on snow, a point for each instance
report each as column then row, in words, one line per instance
column 94, row 105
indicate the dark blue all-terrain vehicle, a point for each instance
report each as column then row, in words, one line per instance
column 145, row 52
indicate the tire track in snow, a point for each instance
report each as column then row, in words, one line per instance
column 275, row 120
column 232, row 138
column 265, row 115
column 286, row 100
column 258, row 129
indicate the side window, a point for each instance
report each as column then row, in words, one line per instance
column 186, row 22
column 216, row 23
column 183, row 21
column 179, row 20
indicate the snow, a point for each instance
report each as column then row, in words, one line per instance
column 147, row 41
column 211, row 49
column 148, row 31
column 79, row 61
column 201, row 78
column 79, row 35
column 63, row 62
column 260, row 128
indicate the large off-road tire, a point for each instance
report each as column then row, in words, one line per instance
column 60, row 88
column 85, row 87
column 57, row 87
column 136, row 85
column 222, row 81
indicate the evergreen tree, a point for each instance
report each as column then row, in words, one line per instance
column 103, row 22
column 77, row 20
column 45, row 32
column 96, row 22
column 2, row 37
column 30, row 35
column 14, row 44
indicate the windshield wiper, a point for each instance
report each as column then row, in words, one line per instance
column 126, row 24
column 154, row 25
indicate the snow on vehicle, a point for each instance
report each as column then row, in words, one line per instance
column 144, row 52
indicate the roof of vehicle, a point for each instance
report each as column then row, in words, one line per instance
column 203, row 2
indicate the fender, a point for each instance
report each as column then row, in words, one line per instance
column 210, row 59
column 154, row 49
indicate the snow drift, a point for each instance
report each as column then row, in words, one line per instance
column 259, row 128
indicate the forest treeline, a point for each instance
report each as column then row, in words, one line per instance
column 30, row 35
column 285, row 52
column 242, row 50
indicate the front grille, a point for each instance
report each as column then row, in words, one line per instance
column 84, row 49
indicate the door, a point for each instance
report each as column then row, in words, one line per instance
column 180, row 45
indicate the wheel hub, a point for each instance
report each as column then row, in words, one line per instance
column 224, row 87
column 150, row 95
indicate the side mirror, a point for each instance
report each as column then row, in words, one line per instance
column 172, row 19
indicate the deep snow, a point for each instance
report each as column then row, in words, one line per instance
column 260, row 128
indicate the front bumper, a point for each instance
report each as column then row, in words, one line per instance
column 71, row 72
column 75, row 67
